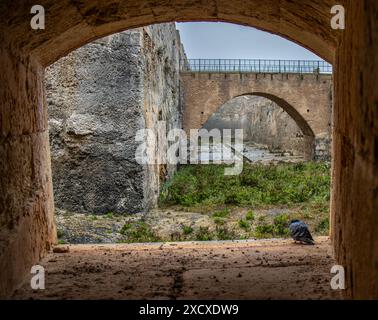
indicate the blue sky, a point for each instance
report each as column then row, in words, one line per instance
column 210, row 40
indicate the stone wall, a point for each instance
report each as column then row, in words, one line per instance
column 355, row 146
column 263, row 122
column 99, row 96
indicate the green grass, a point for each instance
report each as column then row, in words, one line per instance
column 138, row 232
column 258, row 203
column 244, row 225
column 59, row 233
column 323, row 226
column 279, row 227
column 257, row 185
column 219, row 220
column 204, row 234
column 109, row 215
column 223, row 233
column 222, row 213
column 187, row 230
column 250, row 216
column 264, row 231
column 220, row 233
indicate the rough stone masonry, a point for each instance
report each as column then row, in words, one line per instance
column 98, row 97
column 263, row 122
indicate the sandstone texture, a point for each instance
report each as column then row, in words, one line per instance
column 98, row 97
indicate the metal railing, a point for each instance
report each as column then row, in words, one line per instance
column 256, row 66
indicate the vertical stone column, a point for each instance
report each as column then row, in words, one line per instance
column 26, row 206
column 355, row 146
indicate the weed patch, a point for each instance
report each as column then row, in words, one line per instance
column 257, row 185
column 138, row 232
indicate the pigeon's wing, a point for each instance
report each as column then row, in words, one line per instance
column 292, row 229
column 304, row 233
column 299, row 231
column 295, row 230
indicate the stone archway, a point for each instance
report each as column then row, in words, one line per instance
column 298, row 118
column 260, row 120
column 26, row 221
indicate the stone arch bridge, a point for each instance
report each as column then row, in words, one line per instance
column 304, row 94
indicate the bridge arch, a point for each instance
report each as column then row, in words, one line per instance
column 27, row 228
column 308, row 134
column 306, row 98
column 293, row 113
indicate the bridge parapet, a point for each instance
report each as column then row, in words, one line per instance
column 256, row 66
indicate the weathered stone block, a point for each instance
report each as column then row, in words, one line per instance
column 99, row 96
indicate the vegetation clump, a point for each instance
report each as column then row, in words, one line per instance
column 250, row 216
column 296, row 191
column 138, row 232
column 244, row 224
column 323, row 226
column 257, row 185
column 203, row 204
column 222, row 213
column 187, row 229
column 279, row 227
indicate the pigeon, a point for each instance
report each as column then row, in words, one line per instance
column 299, row 232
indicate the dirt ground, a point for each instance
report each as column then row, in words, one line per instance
column 250, row 269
